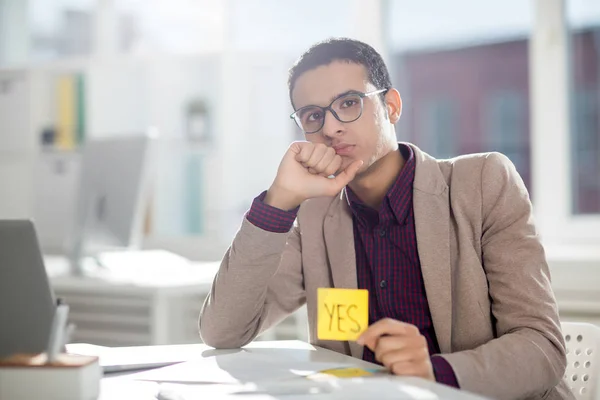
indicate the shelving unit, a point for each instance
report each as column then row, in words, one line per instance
column 128, row 94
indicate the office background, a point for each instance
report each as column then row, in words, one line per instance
column 519, row 76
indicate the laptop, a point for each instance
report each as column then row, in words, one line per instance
column 27, row 307
column 26, row 300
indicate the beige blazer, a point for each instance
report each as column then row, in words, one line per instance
column 484, row 269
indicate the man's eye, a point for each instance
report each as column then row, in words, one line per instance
column 312, row 117
column 349, row 103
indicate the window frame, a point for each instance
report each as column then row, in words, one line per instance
column 550, row 97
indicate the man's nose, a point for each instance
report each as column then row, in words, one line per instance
column 331, row 125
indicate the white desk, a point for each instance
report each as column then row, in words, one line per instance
column 144, row 298
column 123, row 386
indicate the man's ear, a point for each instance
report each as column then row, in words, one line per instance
column 393, row 105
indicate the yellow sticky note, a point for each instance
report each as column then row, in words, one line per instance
column 342, row 314
column 346, row 372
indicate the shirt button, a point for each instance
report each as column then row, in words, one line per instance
column 382, row 232
column 383, row 284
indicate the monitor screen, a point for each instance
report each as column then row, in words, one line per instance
column 114, row 188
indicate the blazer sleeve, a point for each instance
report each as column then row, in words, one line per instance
column 259, row 283
column 528, row 356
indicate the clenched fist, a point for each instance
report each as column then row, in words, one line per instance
column 305, row 172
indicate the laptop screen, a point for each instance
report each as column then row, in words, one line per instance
column 26, row 299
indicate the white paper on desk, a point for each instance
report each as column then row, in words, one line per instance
column 239, row 367
column 248, row 391
column 380, row 388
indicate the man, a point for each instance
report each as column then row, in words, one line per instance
column 459, row 289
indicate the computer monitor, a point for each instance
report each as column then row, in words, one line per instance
column 114, row 188
column 26, row 299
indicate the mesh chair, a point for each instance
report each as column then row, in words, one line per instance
column 583, row 359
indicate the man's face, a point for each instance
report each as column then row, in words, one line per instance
column 365, row 139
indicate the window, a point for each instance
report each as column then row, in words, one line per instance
column 585, row 151
column 462, row 73
column 436, row 128
column 584, row 45
column 506, row 130
column 564, row 92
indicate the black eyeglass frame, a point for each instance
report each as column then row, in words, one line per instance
column 361, row 95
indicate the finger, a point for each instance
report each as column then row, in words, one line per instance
column 387, row 344
column 306, row 150
column 345, row 177
column 327, row 158
column 386, row 326
column 415, row 354
column 317, row 155
column 297, row 146
column 334, row 166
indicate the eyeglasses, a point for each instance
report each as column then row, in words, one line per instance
column 348, row 107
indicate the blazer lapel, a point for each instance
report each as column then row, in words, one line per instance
column 432, row 223
column 432, row 226
column 339, row 240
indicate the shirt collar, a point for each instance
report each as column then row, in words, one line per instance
column 398, row 199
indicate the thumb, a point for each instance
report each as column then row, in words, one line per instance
column 346, row 176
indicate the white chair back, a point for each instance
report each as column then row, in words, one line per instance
column 583, row 359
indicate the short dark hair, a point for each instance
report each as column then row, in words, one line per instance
column 343, row 49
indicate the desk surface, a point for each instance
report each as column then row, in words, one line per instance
column 140, row 271
column 125, row 386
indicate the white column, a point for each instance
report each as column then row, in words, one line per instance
column 368, row 22
column 231, row 118
column 17, row 144
column 549, row 91
column 14, row 32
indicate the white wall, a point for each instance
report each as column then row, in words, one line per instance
column 16, row 145
column 255, row 126
column 171, row 84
